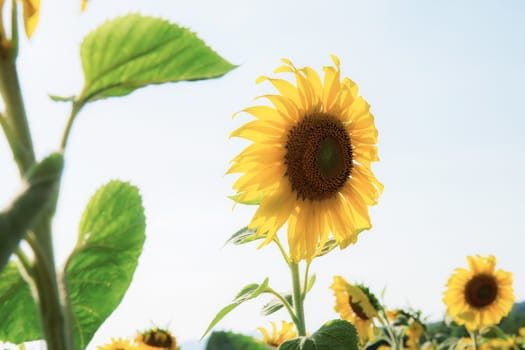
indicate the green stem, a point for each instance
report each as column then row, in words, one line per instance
column 298, row 301
column 283, row 252
column 383, row 319
column 474, row 337
column 77, row 106
column 53, row 311
column 15, row 122
column 56, row 330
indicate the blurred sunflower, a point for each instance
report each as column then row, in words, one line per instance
column 156, row 339
column 310, row 160
column 480, row 296
column 413, row 334
column 356, row 304
column 276, row 338
column 118, row 344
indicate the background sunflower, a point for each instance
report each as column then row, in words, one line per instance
column 479, row 296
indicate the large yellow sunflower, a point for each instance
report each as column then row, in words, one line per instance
column 356, row 304
column 156, row 339
column 276, row 338
column 309, row 160
column 480, row 296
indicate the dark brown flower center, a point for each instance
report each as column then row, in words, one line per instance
column 318, row 157
column 158, row 338
column 481, row 291
column 358, row 310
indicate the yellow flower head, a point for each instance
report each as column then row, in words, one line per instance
column 413, row 332
column 480, row 296
column 309, row 160
column 118, row 344
column 156, row 339
column 275, row 339
column 357, row 305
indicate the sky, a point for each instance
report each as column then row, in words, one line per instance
column 444, row 81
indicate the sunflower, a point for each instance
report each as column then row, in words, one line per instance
column 118, row 344
column 156, row 339
column 309, row 160
column 480, row 296
column 357, row 305
column 413, row 334
column 277, row 338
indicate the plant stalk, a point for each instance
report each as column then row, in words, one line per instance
column 55, row 328
column 298, row 301
column 15, row 123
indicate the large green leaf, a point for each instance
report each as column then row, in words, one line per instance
column 19, row 320
column 100, row 269
column 133, row 51
column 38, row 189
column 333, row 335
column 234, row 341
column 248, row 292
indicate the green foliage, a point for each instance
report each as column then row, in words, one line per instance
column 36, row 196
column 133, row 51
column 515, row 320
column 19, row 321
column 276, row 304
column 249, row 292
column 100, row 269
column 333, row 335
column 233, row 341
column 244, row 235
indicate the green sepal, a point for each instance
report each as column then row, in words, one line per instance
column 38, row 190
column 19, row 322
column 233, row 341
column 492, row 332
column 133, row 51
column 253, row 201
column 276, row 304
column 330, row 245
column 99, row 270
column 57, row 98
column 310, row 283
column 333, row 335
column 244, row 235
column 248, row 292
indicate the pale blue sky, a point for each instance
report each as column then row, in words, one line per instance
column 445, row 82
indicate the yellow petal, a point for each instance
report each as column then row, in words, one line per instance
column 31, row 15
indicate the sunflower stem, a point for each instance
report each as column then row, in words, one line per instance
column 474, row 337
column 383, row 319
column 298, row 300
column 77, row 106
